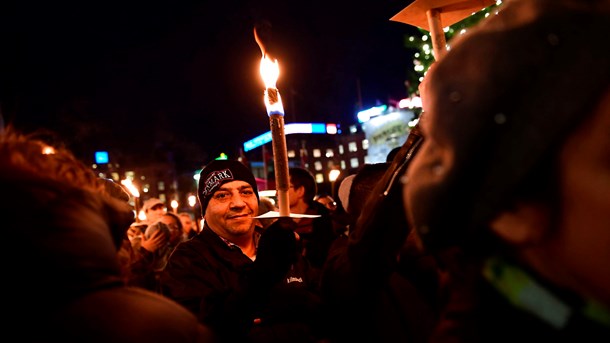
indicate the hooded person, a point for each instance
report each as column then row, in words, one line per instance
column 248, row 286
column 510, row 187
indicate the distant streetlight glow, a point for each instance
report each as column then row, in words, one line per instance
column 192, row 200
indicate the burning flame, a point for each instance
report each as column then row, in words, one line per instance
column 270, row 71
column 269, row 68
column 130, row 187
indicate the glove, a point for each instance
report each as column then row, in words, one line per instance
column 277, row 251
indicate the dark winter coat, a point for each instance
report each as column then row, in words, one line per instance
column 214, row 280
column 70, row 288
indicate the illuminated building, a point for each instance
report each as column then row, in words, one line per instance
column 322, row 147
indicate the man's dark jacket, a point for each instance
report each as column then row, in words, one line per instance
column 224, row 288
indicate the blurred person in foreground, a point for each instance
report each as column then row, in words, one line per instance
column 511, row 187
column 247, row 286
column 71, row 288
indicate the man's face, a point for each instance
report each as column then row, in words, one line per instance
column 155, row 212
column 293, row 197
column 231, row 208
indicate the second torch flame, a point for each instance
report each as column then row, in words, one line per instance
column 270, row 72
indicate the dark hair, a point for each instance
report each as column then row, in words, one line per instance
column 363, row 184
column 115, row 189
column 303, row 177
column 392, row 154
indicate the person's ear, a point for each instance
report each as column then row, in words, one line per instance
column 524, row 225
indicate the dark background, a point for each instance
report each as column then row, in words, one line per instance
column 143, row 78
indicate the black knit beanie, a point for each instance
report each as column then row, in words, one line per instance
column 219, row 172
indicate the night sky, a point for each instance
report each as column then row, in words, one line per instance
column 144, row 78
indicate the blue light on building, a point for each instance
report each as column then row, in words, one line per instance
column 293, row 128
column 101, row 157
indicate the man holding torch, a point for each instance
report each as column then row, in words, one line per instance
column 247, row 286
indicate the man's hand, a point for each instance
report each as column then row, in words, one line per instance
column 277, row 251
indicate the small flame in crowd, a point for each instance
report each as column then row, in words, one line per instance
column 130, row 187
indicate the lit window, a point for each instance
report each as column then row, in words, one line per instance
column 317, row 153
column 365, row 144
column 318, row 165
column 352, row 147
column 330, row 153
column 353, row 162
column 319, row 177
column 343, row 164
column 341, row 151
column 291, row 154
column 161, row 186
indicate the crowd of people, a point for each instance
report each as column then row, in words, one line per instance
column 491, row 223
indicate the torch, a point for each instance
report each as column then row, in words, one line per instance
column 270, row 72
column 432, row 15
column 136, row 196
